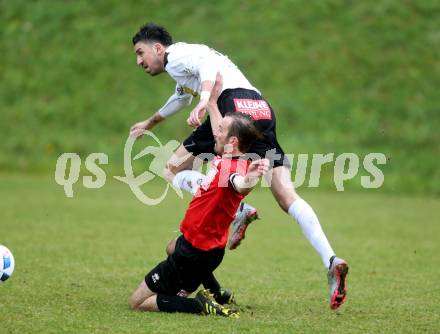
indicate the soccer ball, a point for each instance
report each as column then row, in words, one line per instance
column 7, row 263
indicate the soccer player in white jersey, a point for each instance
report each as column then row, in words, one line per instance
column 194, row 67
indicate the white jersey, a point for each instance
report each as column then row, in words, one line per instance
column 191, row 64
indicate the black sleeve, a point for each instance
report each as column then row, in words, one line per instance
column 231, row 181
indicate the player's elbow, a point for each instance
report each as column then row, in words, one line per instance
column 245, row 191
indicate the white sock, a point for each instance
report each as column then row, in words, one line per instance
column 307, row 219
column 188, row 180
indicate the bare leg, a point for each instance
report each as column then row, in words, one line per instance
column 149, row 305
column 282, row 187
column 143, row 299
column 284, row 192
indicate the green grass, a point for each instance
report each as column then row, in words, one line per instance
column 77, row 261
column 342, row 76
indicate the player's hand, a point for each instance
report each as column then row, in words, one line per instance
column 197, row 114
column 258, row 168
column 217, row 89
column 137, row 130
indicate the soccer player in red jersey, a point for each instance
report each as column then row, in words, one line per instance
column 205, row 226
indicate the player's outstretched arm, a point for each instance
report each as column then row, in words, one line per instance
column 175, row 103
column 197, row 114
column 137, row 130
column 245, row 184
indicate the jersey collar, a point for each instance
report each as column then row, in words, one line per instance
column 234, row 157
column 165, row 59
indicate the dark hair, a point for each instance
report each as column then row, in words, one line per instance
column 243, row 127
column 151, row 32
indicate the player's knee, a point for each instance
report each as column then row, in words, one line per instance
column 150, row 305
column 283, row 204
column 171, row 247
column 281, row 199
column 132, row 304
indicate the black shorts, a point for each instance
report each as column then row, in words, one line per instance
column 248, row 101
column 184, row 270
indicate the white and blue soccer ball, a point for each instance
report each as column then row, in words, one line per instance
column 7, row 263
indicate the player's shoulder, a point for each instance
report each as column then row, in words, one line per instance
column 180, row 51
column 217, row 160
column 232, row 165
column 185, row 47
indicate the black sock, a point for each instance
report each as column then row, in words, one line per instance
column 168, row 303
column 211, row 283
column 331, row 261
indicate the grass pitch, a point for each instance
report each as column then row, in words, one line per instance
column 77, row 261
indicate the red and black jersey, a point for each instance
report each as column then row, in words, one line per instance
column 211, row 211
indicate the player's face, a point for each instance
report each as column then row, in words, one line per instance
column 221, row 138
column 150, row 57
